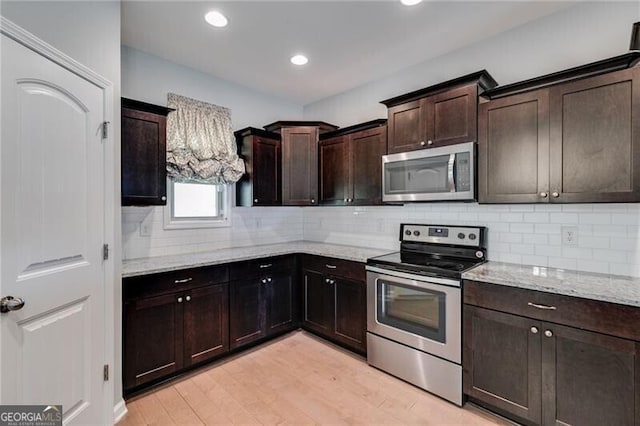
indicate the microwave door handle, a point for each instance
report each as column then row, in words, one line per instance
column 451, row 172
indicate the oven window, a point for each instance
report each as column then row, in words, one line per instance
column 421, row 175
column 413, row 309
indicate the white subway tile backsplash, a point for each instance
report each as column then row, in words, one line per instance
column 608, row 234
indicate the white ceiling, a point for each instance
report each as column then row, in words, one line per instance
column 349, row 43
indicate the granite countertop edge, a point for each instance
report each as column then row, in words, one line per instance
column 618, row 289
column 154, row 265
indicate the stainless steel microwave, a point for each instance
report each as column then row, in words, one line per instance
column 434, row 174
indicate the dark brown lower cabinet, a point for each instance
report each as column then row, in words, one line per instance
column 164, row 334
column 334, row 306
column 537, row 372
column 261, row 307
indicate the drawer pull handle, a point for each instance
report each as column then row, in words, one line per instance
column 186, row 280
column 545, row 307
column 266, row 265
column 330, row 266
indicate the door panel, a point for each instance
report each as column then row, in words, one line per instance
column 267, row 172
column 367, row 149
column 318, row 303
column 299, row 166
column 334, row 171
column 406, row 127
column 246, row 312
column 502, row 362
column 351, row 313
column 206, row 324
column 52, row 232
column 513, row 148
column 454, row 117
column 280, row 303
column 595, row 138
column 588, row 378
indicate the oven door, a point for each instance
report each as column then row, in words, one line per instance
column 421, row 312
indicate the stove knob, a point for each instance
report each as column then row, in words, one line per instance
column 407, row 232
column 416, row 233
column 472, row 237
column 461, row 236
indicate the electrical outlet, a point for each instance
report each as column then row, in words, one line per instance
column 570, row 235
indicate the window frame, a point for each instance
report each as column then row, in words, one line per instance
column 222, row 221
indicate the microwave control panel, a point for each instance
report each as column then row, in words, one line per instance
column 463, row 172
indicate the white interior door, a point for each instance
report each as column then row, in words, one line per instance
column 52, row 351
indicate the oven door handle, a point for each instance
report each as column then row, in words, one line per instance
column 451, row 177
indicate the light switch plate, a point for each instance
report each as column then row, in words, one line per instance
column 570, row 236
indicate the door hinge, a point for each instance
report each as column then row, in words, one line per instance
column 105, row 129
column 105, row 372
column 105, row 251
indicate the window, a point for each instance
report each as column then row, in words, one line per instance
column 197, row 205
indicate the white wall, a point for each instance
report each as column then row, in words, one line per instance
column 88, row 32
column 584, row 33
column 149, row 78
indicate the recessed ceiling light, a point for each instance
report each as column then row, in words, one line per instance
column 216, row 19
column 410, row 2
column 299, row 60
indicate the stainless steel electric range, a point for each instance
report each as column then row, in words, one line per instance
column 414, row 305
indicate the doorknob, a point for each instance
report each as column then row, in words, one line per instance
column 10, row 303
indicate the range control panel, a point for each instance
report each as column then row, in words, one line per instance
column 455, row 235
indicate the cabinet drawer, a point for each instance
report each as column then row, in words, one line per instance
column 259, row 267
column 336, row 267
column 603, row 317
column 169, row 282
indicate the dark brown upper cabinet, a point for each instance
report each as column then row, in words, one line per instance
column 300, row 160
column 144, row 153
column 261, row 151
column 350, row 161
column 570, row 137
column 443, row 114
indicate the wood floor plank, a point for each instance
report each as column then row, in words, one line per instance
column 297, row 380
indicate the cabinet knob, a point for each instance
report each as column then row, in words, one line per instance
column 188, row 298
column 544, row 194
column 555, row 195
column 263, row 281
column 163, row 198
column 429, row 143
column 548, row 333
column 346, row 200
column 349, row 200
column 179, row 299
column 534, row 330
column 255, row 200
column 422, row 143
column 269, row 280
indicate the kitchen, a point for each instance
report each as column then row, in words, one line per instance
column 528, row 234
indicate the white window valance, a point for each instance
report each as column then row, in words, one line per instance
column 200, row 143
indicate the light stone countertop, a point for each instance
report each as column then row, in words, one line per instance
column 608, row 288
column 152, row 265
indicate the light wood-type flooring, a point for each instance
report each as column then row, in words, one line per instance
column 296, row 380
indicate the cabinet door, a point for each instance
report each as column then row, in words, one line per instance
column 589, row 378
column 513, row 149
column 501, row 362
column 367, row 149
column 206, row 324
column 299, row 166
column 143, row 158
column 319, row 304
column 350, row 325
column 152, row 339
column 452, row 116
column 595, row 139
column 246, row 312
column 267, row 172
column 280, row 302
column 334, row 171
column 406, row 126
